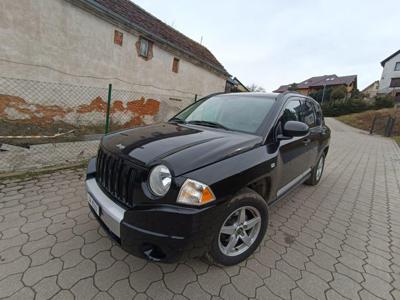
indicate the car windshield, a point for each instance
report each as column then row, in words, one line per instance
column 232, row 112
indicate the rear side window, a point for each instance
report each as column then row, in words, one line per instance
column 309, row 114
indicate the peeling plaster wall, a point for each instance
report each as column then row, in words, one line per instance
column 133, row 113
column 54, row 41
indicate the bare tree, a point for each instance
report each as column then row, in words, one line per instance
column 256, row 88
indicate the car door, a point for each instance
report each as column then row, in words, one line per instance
column 309, row 117
column 293, row 155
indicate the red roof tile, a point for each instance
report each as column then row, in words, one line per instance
column 327, row 80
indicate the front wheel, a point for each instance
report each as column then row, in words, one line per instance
column 242, row 230
column 317, row 171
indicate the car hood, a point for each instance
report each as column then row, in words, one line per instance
column 182, row 148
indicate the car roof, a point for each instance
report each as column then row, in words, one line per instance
column 278, row 97
column 252, row 94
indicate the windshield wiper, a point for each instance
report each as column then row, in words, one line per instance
column 208, row 123
column 177, row 120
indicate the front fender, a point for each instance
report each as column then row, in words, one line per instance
column 228, row 176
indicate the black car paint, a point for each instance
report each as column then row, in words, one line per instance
column 172, row 144
column 226, row 161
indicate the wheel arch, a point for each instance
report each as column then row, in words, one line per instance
column 262, row 187
column 325, row 151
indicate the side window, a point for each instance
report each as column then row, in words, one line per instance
column 292, row 112
column 309, row 114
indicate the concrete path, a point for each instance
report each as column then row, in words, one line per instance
column 338, row 240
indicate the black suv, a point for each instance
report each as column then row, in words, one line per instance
column 203, row 181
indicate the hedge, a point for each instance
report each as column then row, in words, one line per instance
column 351, row 106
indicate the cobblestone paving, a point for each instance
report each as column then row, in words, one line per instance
column 338, row 240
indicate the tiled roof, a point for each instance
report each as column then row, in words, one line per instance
column 282, row 88
column 157, row 29
column 327, row 80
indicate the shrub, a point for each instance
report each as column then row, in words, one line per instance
column 384, row 102
column 338, row 93
column 318, row 95
column 338, row 108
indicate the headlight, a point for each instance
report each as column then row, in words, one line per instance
column 160, row 180
column 195, row 193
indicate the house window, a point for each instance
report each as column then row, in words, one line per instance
column 175, row 65
column 395, row 82
column 118, row 37
column 144, row 47
column 397, row 66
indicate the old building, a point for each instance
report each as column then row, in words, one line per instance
column 54, row 54
column 320, row 84
column 390, row 80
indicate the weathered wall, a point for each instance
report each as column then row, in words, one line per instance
column 54, row 41
column 388, row 73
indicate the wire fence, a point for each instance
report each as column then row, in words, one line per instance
column 386, row 124
column 45, row 123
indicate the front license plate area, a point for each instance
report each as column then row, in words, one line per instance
column 93, row 204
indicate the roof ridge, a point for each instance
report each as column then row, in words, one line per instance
column 158, row 19
column 383, row 62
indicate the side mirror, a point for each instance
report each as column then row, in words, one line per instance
column 295, row 128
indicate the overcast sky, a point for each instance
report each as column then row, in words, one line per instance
column 279, row 42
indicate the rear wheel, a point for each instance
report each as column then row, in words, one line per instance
column 242, row 229
column 317, row 171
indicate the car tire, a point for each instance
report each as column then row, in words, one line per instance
column 252, row 206
column 317, row 171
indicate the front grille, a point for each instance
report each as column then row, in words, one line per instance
column 116, row 177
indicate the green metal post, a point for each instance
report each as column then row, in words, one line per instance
column 108, row 109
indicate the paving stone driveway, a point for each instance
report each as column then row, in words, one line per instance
column 338, row 240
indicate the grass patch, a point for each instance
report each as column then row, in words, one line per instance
column 364, row 120
column 397, row 139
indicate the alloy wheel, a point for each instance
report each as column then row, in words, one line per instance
column 320, row 167
column 239, row 231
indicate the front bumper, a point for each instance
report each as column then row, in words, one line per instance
column 157, row 232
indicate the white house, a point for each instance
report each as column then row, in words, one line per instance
column 51, row 48
column 390, row 80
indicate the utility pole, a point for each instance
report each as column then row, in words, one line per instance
column 323, row 94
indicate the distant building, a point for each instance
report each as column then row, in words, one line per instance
column 320, row 83
column 390, row 80
column 371, row 90
column 233, row 85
